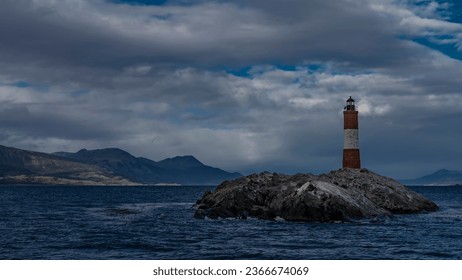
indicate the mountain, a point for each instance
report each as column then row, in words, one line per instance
column 192, row 170
column 26, row 167
column 180, row 162
column 439, row 178
column 109, row 166
column 186, row 170
column 121, row 163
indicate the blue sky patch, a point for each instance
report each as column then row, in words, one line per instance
column 36, row 87
column 447, row 49
column 22, row 84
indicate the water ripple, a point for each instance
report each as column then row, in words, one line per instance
column 158, row 223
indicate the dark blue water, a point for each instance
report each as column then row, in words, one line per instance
column 157, row 223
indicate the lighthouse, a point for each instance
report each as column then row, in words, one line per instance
column 351, row 157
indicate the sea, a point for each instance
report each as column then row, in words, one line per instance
column 157, row 222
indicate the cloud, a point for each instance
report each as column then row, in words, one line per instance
column 102, row 34
column 368, row 109
column 420, row 21
column 243, row 85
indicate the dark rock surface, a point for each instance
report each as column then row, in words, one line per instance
column 340, row 195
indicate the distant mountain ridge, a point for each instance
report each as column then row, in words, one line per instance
column 110, row 166
column 441, row 177
column 180, row 169
column 180, row 162
column 27, row 167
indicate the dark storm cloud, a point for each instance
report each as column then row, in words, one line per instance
column 101, row 34
column 50, row 123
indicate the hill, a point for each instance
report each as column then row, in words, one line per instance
column 110, row 166
column 27, row 167
column 439, row 178
column 185, row 170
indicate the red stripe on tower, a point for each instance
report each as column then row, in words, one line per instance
column 351, row 157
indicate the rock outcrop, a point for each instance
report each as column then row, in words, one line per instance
column 340, row 195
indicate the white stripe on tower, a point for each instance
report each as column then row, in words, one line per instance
column 351, row 139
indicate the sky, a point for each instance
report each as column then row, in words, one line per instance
column 243, row 85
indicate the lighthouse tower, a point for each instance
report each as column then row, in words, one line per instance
column 350, row 140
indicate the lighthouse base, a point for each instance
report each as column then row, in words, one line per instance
column 351, row 158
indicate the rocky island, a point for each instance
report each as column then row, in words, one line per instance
column 340, row 195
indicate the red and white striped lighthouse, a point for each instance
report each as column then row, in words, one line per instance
column 350, row 139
